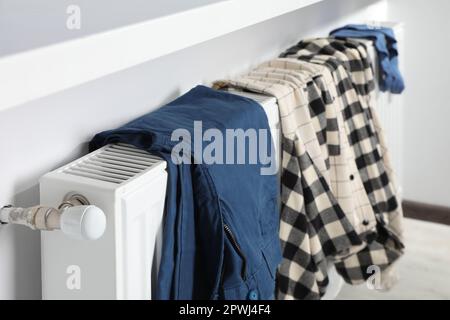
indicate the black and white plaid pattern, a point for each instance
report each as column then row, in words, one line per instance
column 353, row 75
column 363, row 132
column 352, row 55
column 306, row 195
column 337, row 204
column 313, row 227
column 318, row 95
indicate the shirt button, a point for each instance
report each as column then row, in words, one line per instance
column 253, row 295
column 352, row 177
column 365, row 222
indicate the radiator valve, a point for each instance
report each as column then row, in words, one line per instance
column 75, row 217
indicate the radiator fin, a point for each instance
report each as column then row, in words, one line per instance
column 116, row 163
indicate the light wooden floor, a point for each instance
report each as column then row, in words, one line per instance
column 424, row 270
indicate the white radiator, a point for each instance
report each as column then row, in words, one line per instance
column 129, row 185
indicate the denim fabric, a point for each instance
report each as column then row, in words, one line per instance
column 386, row 46
column 199, row 259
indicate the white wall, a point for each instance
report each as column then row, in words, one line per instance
column 42, row 135
column 427, row 116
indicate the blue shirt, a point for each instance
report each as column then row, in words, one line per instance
column 387, row 50
column 220, row 234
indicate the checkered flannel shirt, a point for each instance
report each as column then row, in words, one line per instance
column 348, row 60
column 326, row 210
column 351, row 68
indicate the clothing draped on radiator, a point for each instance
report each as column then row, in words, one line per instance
column 218, row 243
column 339, row 199
column 385, row 43
column 224, row 236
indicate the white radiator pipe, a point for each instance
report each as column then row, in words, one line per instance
column 75, row 217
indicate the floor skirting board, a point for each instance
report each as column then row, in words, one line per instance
column 426, row 212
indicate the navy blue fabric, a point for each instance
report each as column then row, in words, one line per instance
column 199, row 260
column 387, row 49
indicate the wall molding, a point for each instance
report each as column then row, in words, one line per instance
column 426, row 212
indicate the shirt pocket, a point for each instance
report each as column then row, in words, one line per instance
column 260, row 285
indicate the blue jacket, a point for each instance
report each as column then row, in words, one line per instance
column 387, row 50
column 220, row 234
